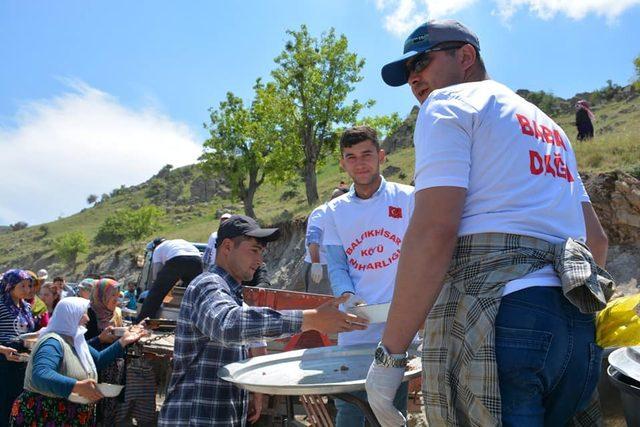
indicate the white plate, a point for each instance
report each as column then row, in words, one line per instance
column 109, row 390
column 29, row 340
column 76, row 398
column 626, row 360
column 119, row 331
column 376, row 313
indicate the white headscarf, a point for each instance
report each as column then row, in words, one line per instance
column 66, row 321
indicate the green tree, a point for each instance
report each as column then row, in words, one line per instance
column 92, row 199
column 384, row 125
column 636, row 64
column 128, row 225
column 69, row 245
column 314, row 78
column 242, row 141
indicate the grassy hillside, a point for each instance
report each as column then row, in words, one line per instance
column 616, row 146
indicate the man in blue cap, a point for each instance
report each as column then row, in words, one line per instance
column 499, row 257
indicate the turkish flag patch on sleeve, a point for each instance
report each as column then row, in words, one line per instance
column 395, row 212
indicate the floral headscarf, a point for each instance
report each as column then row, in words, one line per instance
column 584, row 105
column 103, row 290
column 10, row 280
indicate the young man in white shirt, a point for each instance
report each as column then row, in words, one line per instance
column 364, row 229
column 172, row 260
column 498, row 198
column 209, row 256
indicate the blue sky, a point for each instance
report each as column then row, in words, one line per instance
column 110, row 91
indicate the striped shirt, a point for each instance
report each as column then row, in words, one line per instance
column 10, row 327
column 213, row 329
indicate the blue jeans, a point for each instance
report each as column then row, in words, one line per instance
column 351, row 416
column 548, row 361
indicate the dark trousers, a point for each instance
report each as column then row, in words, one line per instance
column 12, row 374
column 184, row 268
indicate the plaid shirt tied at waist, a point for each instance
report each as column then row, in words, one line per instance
column 460, row 376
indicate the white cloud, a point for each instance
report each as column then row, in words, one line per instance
column 575, row 9
column 402, row 16
column 79, row 143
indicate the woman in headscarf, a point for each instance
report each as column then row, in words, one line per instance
column 103, row 313
column 584, row 120
column 15, row 319
column 63, row 366
column 38, row 307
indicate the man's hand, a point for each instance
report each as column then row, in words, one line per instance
column 329, row 319
column 256, row 401
column 87, row 388
column 382, row 385
column 107, row 336
column 316, row 272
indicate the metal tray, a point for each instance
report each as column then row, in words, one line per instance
column 626, row 360
column 310, row 371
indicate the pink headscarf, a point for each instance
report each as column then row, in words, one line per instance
column 103, row 290
column 584, row 105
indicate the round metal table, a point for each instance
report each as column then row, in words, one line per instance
column 333, row 371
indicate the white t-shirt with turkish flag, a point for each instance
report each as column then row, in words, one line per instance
column 371, row 232
column 516, row 163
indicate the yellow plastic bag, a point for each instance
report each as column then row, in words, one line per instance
column 618, row 325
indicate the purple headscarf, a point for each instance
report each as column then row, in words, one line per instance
column 10, row 280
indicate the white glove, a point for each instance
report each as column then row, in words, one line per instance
column 354, row 300
column 316, row 272
column 382, row 385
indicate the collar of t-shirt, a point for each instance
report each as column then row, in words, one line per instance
column 354, row 196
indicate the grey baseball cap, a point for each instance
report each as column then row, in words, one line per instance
column 423, row 39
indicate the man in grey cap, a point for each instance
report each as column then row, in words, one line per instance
column 499, row 207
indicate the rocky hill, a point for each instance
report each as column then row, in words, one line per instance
column 192, row 201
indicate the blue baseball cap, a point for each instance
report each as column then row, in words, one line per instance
column 423, row 39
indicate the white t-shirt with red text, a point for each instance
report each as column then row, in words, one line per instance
column 371, row 232
column 516, row 163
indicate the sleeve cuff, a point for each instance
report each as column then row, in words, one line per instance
column 291, row 321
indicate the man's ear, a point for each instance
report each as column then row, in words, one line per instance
column 467, row 56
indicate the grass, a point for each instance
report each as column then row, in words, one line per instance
column 616, row 146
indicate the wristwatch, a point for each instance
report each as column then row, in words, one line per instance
column 384, row 358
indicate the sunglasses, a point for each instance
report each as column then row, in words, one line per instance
column 422, row 60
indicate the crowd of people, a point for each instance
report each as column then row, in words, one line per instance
column 54, row 382
column 495, row 251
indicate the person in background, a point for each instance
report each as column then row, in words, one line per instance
column 43, row 275
column 172, row 260
column 38, row 307
column 85, row 288
column 584, row 120
column 132, row 294
column 15, row 319
column 315, row 257
column 103, row 314
column 63, row 290
column 209, row 256
column 50, row 297
column 63, row 364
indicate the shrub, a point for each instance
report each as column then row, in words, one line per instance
column 69, row 245
column 128, row 225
